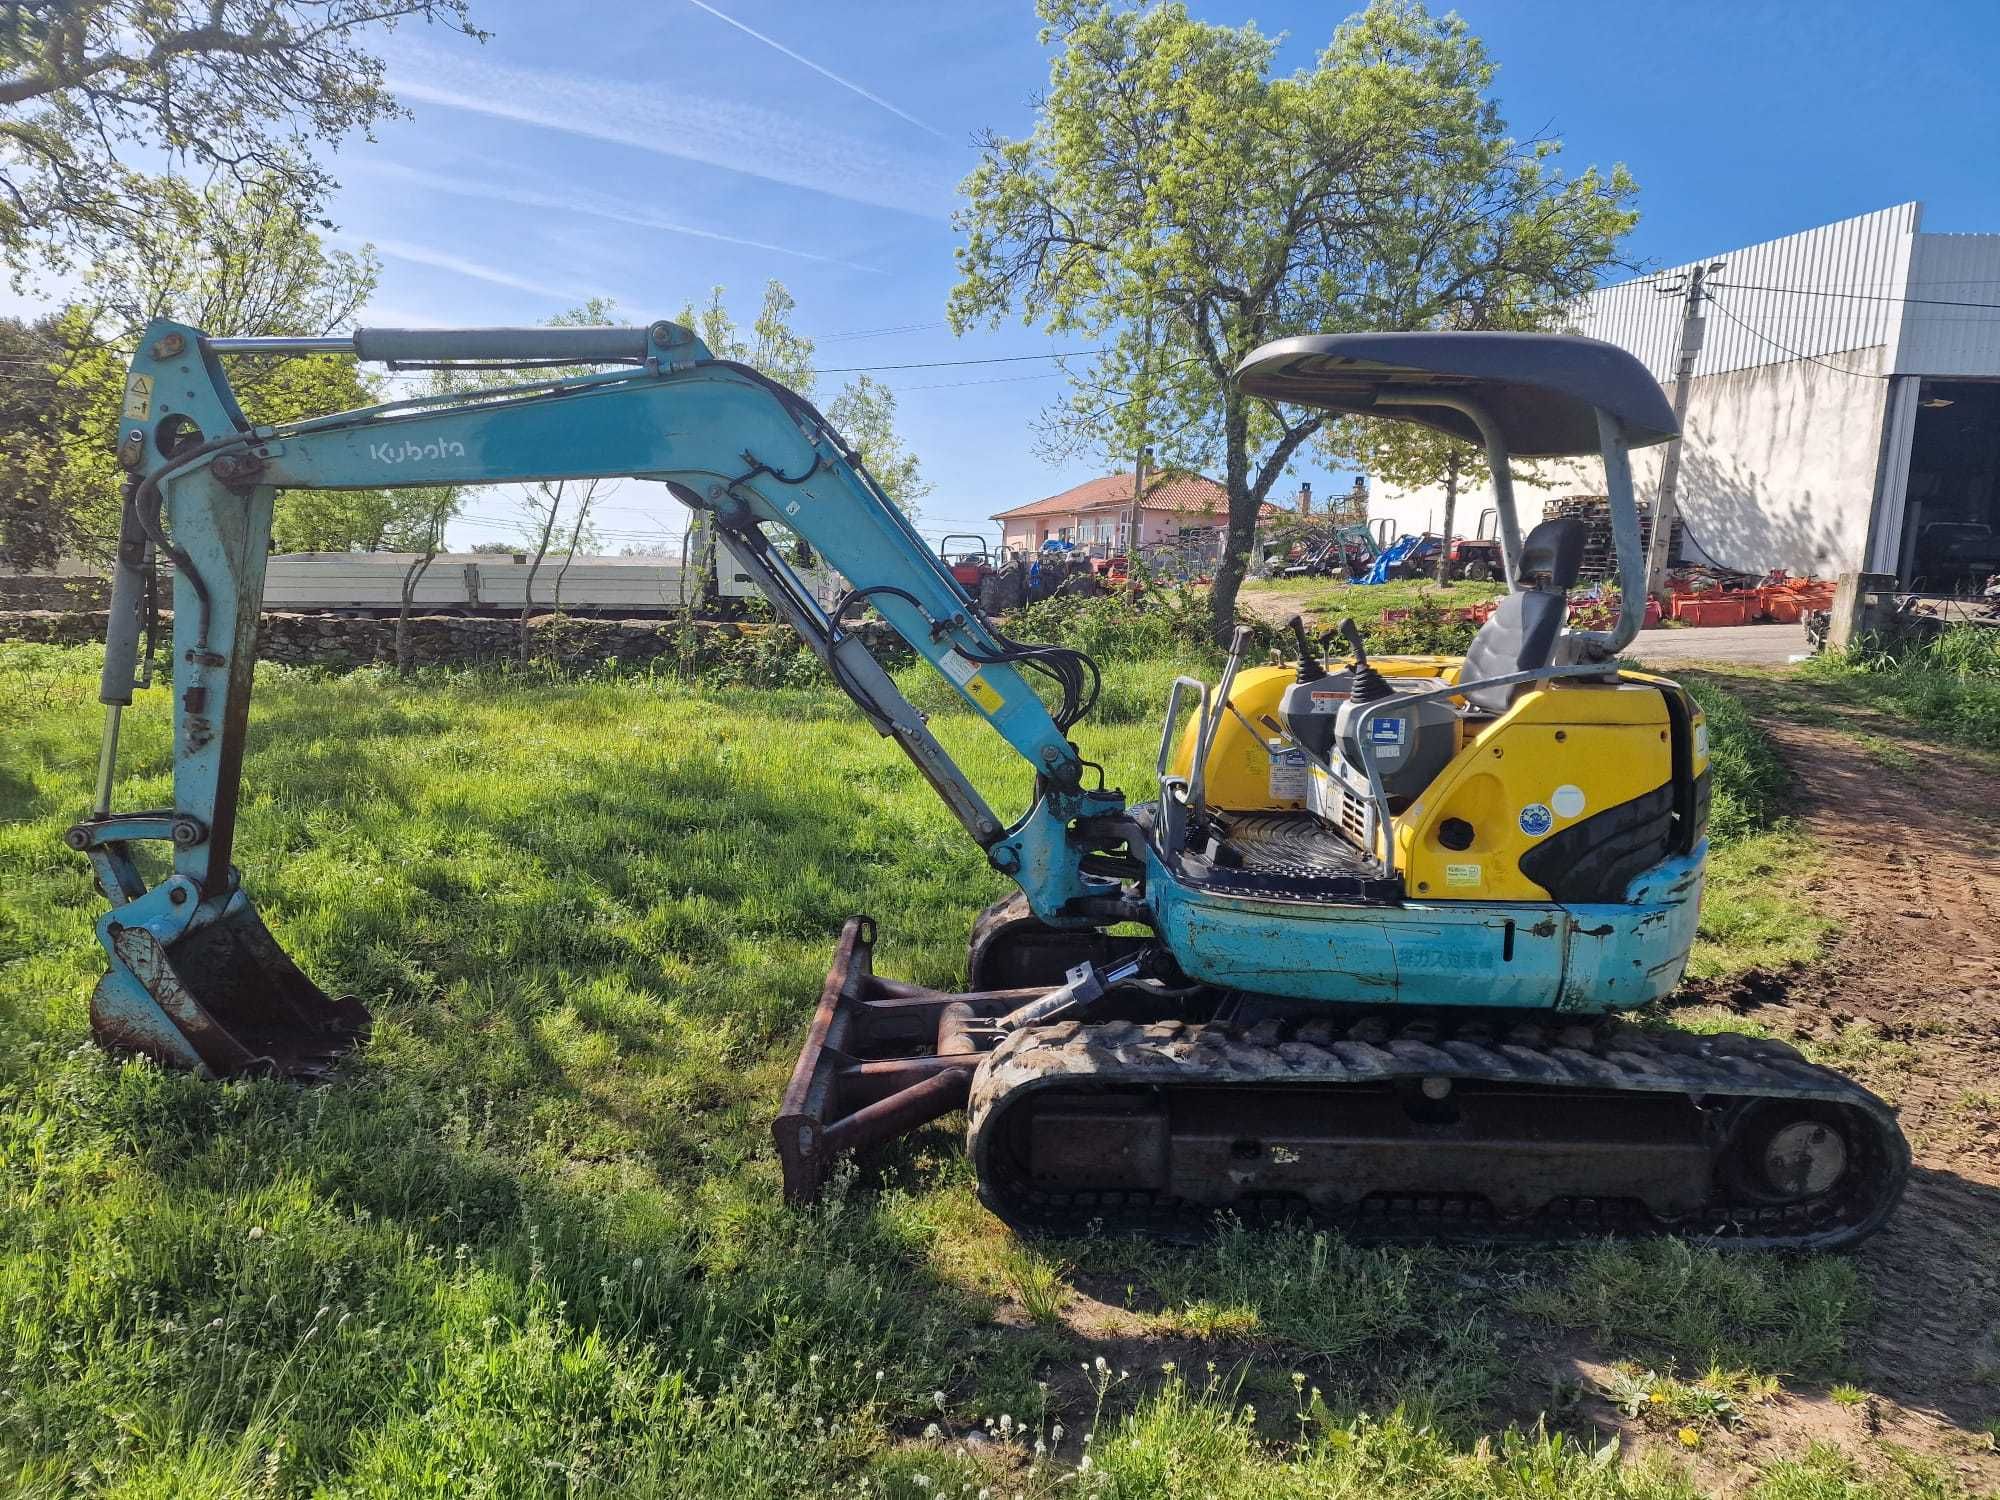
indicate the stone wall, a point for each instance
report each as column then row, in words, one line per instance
column 437, row 640
column 53, row 591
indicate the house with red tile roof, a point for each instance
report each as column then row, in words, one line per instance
column 1097, row 514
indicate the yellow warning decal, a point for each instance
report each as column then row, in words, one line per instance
column 139, row 397
column 982, row 692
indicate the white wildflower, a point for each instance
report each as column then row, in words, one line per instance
column 256, row 1231
column 921, row 1481
column 1056, row 1433
column 938, row 1397
column 1101, row 1366
column 932, row 1432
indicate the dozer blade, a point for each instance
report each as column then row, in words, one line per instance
column 222, row 1000
column 883, row 1058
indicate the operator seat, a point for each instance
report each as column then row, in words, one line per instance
column 1521, row 634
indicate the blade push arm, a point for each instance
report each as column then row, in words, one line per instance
column 724, row 438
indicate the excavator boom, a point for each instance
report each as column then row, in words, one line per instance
column 724, row 439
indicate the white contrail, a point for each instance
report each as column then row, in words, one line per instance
column 442, row 260
column 847, row 83
column 597, row 205
column 670, row 122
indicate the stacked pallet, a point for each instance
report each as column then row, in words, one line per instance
column 1600, row 559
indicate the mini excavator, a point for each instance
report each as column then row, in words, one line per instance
column 1360, row 960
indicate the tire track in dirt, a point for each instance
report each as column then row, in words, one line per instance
column 1909, row 870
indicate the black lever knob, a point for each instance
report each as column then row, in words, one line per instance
column 1310, row 669
column 1369, row 685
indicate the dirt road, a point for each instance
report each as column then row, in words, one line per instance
column 1909, row 1001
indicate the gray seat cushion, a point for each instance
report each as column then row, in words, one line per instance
column 1522, row 634
column 1519, row 636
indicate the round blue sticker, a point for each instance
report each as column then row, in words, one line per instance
column 1536, row 819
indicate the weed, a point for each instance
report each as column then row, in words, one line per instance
column 1664, row 1401
column 1949, row 684
column 1037, row 1282
column 1708, row 1307
column 1848, row 1395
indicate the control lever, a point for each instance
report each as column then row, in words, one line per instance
column 1310, row 669
column 1369, row 685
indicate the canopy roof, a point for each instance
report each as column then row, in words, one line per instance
column 1541, row 389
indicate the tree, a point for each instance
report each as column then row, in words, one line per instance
column 773, row 348
column 34, row 530
column 543, row 500
column 864, row 411
column 430, row 508
column 232, row 262
column 865, row 414
column 1177, row 206
column 231, row 86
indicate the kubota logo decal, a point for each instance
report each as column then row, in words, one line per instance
column 406, row 452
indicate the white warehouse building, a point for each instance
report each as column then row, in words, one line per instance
column 1844, row 411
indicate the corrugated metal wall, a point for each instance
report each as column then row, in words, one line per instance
column 1817, row 293
column 1940, row 338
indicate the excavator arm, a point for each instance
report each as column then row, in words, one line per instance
column 195, row 978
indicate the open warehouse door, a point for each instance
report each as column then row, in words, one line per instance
column 1951, row 517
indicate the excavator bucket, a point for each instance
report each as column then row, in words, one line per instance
column 222, row 1000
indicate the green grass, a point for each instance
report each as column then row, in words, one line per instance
column 1949, row 686
column 531, row 1242
column 1327, row 599
column 1755, row 913
column 1669, row 1301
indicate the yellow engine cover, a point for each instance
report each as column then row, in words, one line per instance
column 1560, row 754
column 1242, row 775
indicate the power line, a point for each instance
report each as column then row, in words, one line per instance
column 1806, row 291
column 1759, row 333
column 876, row 333
column 942, row 364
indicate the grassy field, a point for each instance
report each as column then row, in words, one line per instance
column 1326, row 600
column 531, row 1242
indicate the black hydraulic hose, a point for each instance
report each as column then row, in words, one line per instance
column 1075, row 674
column 146, row 504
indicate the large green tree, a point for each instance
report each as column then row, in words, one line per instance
column 34, row 530
column 1176, row 205
column 863, row 411
column 236, row 87
column 231, row 261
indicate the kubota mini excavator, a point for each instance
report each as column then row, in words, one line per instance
column 1358, row 960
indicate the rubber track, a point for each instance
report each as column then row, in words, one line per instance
column 1606, row 1056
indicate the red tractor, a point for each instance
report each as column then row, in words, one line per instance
column 971, row 566
column 1477, row 558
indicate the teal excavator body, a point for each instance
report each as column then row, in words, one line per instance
column 1182, row 1008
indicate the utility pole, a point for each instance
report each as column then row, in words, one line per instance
column 1693, row 327
column 1139, row 468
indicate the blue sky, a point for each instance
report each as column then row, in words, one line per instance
column 650, row 151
